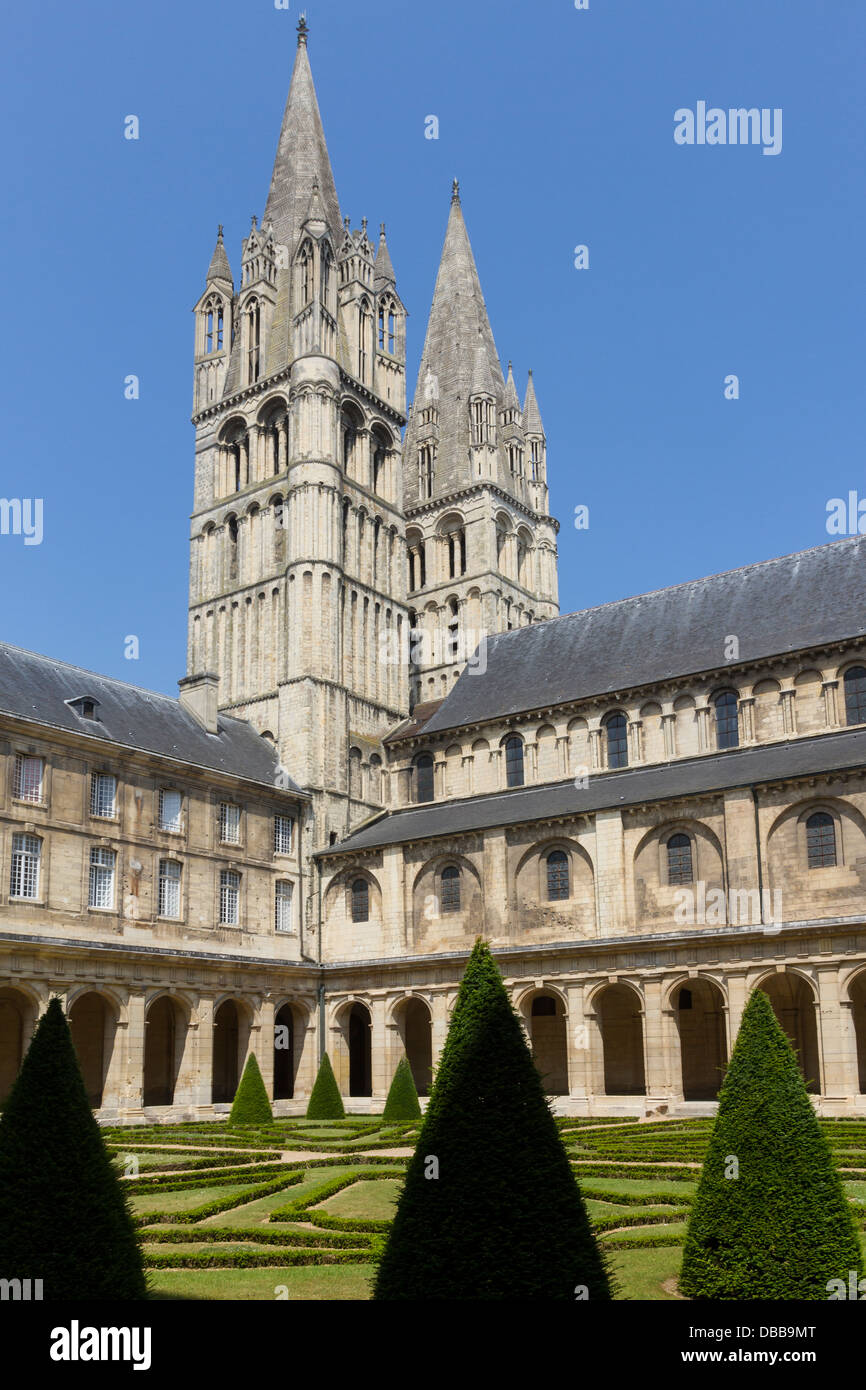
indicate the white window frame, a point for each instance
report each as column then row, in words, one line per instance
column 230, row 898
column 25, row 868
column 173, row 826
column 99, row 783
column 24, row 786
column 229, row 822
column 170, row 875
column 103, row 870
column 284, row 902
column 280, row 823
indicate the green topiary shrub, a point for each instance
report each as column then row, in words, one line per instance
column 325, row 1102
column 782, row 1228
column 402, row 1102
column 64, row 1217
column 490, row 1208
column 251, row 1105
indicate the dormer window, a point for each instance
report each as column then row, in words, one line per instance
column 85, row 707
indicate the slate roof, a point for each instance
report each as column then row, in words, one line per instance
column 739, row 767
column 811, row 598
column 37, row 688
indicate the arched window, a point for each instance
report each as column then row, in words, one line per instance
column 727, row 722
column 821, row 840
column 360, row 900
column 253, row 325
column 449, row 892
column 855, row 695
column 232, row 528
column 456, row 553
column 306, row 277
column 453, row 630
column 325, row 276
column 617, row 740
column 364, row 318
column 424, row 777
column 557, row 875
column 680, row 859
column 425, row 471
column 514, row 761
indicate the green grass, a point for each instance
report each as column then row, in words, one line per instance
column 367, row 1200
column 303, row 1282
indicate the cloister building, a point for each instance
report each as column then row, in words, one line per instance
column 388, row 741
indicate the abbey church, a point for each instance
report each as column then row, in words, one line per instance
column 388, row 742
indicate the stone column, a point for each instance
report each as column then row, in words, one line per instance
column 747, row 719
column 656, row 1043
column 737, row 995
column 789, row 716
column 635, row 740
column 669, row 733
column 124, row 1083
column 831, row 713
column 838, row 1062
column 577, row 1043
column 439, row 1024
column 203, row 1025
column 381, row 1079
column 594, row 738
column 263, row 1044
column 704, row 714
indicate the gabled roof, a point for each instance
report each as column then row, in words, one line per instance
column 39, row 688
column 808, row 599
column 740, row 767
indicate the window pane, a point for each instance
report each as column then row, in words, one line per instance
column 450, row 889
column 514, row 762
column 727, row 721
column 283, row 918
column 557, row 875
column 24, row 881
column 169, row 810
column 28, row 777
column 283, row 827
column 103, row 794
column 855, row 695
column 102, row 878
column 169, row 888
column 360, row 900
column 229, row 897
column 230, row 823
column 821, row 840
column 617, row 741
column 424, row 777
column 679, row 859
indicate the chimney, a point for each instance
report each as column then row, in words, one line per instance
column 198, row 696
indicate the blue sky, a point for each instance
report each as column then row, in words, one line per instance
column 704, row 261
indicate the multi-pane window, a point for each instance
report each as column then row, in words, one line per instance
column 103, row 794
column 616, row 728
column 821, row 840
column 514, row 761
column 169, row 888
column 169, row 809
column 283, row 907
column 424, row 777
column 102, row 869
column 230, row 896
column 230, row 823
column 283, row 834
column 855, row 695
column 28, row 777
column 727, row 722
column 680, row 859
column 360, row 900
column 26, row 854
column 557, row 875
column 449, row 895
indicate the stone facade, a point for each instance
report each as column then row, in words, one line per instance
column 648, row 809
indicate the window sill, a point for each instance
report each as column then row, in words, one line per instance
column 34, row 805
column 104, row 911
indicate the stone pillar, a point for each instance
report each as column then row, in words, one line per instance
column 657, row 1043
column 124, row 1084
column 737, row 995
column 594, row 738
column 669, row 733
column 789, row 716
column 831, row 713
column 263, row 1044
column 635, row 740
column 202, row 1022
column 747, row 719
column 838, row 1064
column 562, row 754
column 439, row 1024
column 704, row 716
column 381, row 1078
column 577, row 1043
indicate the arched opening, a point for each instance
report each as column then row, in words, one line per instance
column 622, row 1041
column 794, row 1006
column 225, row 1052
column 699, row 1012
column 13, row 1010
column 616, row 732
column 90, row 1025
column 549, row 1050
column 858, row 1014
column 163, row 1034
column 360, row 1051
column 416, row 1030
column 284, row 1053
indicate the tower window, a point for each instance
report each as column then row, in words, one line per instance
column 425, row 471
column 820, row 841
column 253, row 325
column 557, row 875
column 449, row 889
column 360, row 900
column 424, row 777
column 679, row 849
column 514, row 761
column 617, row 740
column 855, row 695
column 727, row 721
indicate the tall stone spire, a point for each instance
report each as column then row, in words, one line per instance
column 384, row 270
column 458, row 329
column 301, row 160
column 219, row 268
column 531, row 414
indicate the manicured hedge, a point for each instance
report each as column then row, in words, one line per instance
column 251, row 1105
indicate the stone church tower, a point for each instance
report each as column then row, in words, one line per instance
column 298, row 557
column 481, row 545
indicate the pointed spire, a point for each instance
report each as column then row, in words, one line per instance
column 219, row 268
column 301, row 159
column 384, row 270
column 512, row 400
column 315, row 220
column 531, row 414
column 482, row 377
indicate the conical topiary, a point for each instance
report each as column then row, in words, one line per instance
column 251, row 1105
column 490, row 1208
column 770, row 1219
column 64, row 1217
column 402, row 1102
column 325, row 1102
